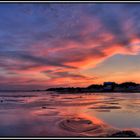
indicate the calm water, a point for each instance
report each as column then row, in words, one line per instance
column 45, row 114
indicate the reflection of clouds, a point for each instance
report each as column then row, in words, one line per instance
column 63, row 107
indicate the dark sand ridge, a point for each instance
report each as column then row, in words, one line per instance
column 105, row 107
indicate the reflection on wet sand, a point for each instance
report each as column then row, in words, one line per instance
column 86, row 125
column 78, row 125
column 70, row 115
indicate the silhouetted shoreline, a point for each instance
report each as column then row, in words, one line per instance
column 105, row 87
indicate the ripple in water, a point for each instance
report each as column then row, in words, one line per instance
column 78, row 125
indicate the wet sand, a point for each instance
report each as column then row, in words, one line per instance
column 45, row 114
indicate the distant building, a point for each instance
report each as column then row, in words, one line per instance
column 109, row 86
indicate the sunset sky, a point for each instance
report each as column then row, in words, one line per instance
column 51, row 45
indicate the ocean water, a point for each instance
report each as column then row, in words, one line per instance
column 52, row 114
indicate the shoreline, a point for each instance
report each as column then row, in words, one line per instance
column 71, row 92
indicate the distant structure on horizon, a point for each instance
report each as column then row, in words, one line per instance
column 109, row 86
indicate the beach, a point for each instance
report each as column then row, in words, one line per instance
column 53, row 114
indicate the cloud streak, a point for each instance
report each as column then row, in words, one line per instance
column 60, row 42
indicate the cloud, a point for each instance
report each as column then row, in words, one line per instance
column 62, row 77
column 42, row 38
column 29, row 59
column 60, row 74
